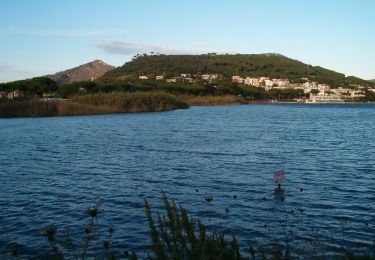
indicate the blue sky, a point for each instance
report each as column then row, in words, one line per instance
column 45, row 36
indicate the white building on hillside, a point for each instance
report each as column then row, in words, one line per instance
column 324, row 88
column 321, row 98
column 210, row 76
column 238, row 79
column 268, row 83
column 252, row 81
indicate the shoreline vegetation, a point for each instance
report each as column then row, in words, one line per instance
column 91, row 104
column 124, row 102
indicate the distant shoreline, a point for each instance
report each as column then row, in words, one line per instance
column 67, row 108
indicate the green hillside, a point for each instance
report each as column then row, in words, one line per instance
column 253, row 65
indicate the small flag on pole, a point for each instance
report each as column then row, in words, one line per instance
column 279, row 176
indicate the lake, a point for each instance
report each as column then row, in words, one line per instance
column 53, row 169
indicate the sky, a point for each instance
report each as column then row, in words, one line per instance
column 41, row 37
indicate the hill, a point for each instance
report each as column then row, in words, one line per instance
column 253, row 65
column 88, row 71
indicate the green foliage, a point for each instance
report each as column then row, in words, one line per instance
column 369, row 96
column 68, row 90
column 132, row 102
column 352, row 81
column 285, row 94
column 91, row 104
column 254, row 65
column 222, row 88
column 31, row 87
column 177, row 236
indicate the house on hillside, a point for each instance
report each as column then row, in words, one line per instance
column 357, row 93
column 324, row 98
column 281, row 82
column 48, row 94
column 238, row 79
column 172, row 80
column 324, row 87
column 159, row 77
column 189, row 80
column 15, row 94
column 268, row 83
column 143, row 77
column 210, row 76
column 252, row 81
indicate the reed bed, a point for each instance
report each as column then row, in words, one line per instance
column 212, row 100
column 92, row 104
column 133, row 102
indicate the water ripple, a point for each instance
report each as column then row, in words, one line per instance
column 53, row 169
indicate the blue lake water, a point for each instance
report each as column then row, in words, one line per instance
column 53, row 169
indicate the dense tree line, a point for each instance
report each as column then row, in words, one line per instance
column 31, row 87
column 213, row 89
column 37, row 86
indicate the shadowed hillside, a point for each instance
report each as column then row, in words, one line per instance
column 253, row 65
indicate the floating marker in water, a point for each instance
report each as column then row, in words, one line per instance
column 279, row 176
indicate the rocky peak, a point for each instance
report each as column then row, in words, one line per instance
column 87, row 71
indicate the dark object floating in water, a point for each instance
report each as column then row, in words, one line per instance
column 208, row 199
column 279, row 193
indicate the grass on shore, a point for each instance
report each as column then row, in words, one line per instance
column 133, row 102
column 212, row 100
column 92, row 104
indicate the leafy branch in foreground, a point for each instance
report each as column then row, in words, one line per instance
column 177, row 236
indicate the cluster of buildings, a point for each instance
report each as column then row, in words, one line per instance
column 19, row 94
column 185, row 78
column 11, row 95
column 318, row 92
column 263, row 82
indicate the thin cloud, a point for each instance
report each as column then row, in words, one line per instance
column 128, row 48
column 5, row 67
column 9, row 73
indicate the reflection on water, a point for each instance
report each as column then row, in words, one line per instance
column 53, row 169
